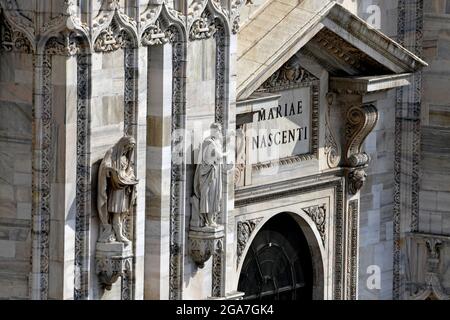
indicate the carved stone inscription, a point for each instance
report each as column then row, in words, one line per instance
column 282, row 128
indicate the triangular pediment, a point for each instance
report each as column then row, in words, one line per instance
column 339, row 41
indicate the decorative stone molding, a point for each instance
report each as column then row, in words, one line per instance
column 235, row 6
column 83, row 186
column 13, row 15
column 112, row 38
column 221, row 113
column 43, row 159
column 318, row 215
column 339, row 243
column 11, row 40
column 332, row 148
column 241, row 151
column 219, row 17
column 407, row 154
column 353, row 247
column 244, row 232
column 218, row 269
column 195, row 9
column 112, row 29
column 290, row 75
column 355, row 60
column 360, row 122
column 203, row 28
column 178, row 170
column 62, row 46
column 67, row 19
column 158, row 11
column 155, row 35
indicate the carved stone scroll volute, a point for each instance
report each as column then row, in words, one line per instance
column 361, row 120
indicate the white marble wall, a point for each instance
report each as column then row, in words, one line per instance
column 377, row 195
column 435, row 166
column 16, row 74
column 200, row 108
column 107, row 125
column 377, row 199
column 158, row 172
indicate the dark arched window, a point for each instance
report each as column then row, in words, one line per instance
column 278, row 263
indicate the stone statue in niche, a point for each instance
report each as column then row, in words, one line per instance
column 205, row 234
column 116, row 190
column 207, row 198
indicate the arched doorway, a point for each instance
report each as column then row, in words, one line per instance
column 278, row 264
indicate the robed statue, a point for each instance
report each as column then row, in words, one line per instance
column 207, row 198
column 116, row 190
